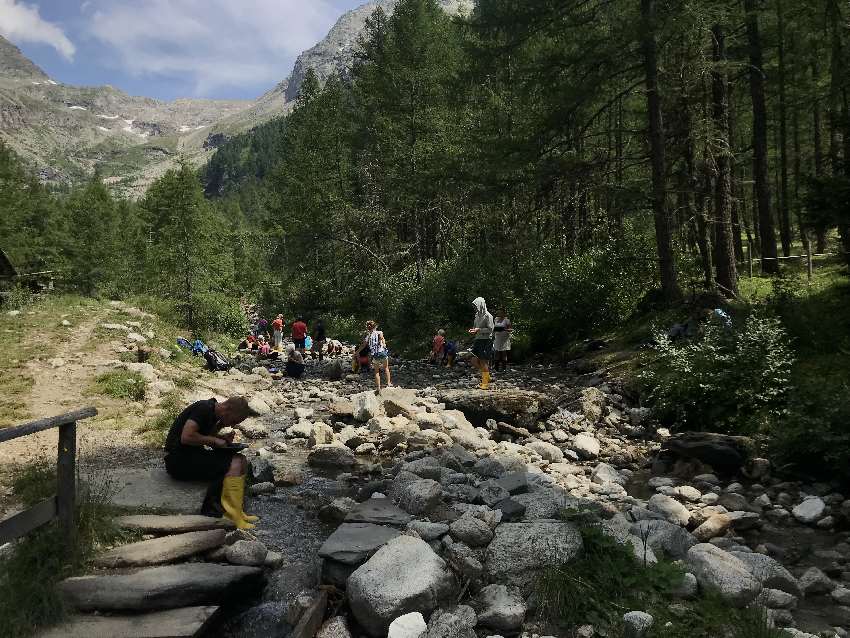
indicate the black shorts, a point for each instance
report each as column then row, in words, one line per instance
column 299, row 343
column 198, row 464
column 483, row 349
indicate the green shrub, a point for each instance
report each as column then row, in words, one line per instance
column 220, row 313
column 606, row 580
column 733, row 380
column 30, row 571
column 813, row 437
column 121, row 384
column 18, row 298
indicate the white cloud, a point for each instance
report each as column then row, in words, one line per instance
column 209, row 44
column 21, row 22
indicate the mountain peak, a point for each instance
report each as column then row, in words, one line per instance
column 14, row 64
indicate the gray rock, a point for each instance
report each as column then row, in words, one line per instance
column 716, row 525
column 491, row 493
column 159, row 587
column 410, row 625
column 810, row 511
column 159, row 551
column 172, row 524
column 520, row 550
column 262, row 488
column 336, row 511
column 517, row 407
column 366, row 406
column 636, row 624
column 547, row 451
column 354, row 543
column 500, row 608
column 428, row 531
column 420, row 496
column 671, row 509
column 248, row 553
column 331, row 456
column 814, row 581
column 472, row 531
column 405, row 575
column 514, row 482
column 586, row 446
column 769, row 572
column 719, row 570
column 458, row 622
column 604, row 473
column 336, row 627
column 776, row 599
column 544, row 503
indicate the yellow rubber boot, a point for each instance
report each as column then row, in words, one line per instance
column 485, row 380
column 232, row 496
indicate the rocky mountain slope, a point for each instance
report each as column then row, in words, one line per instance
column 68, row 131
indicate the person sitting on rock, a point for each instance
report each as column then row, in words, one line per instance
column 265, row 348
column 437, row 347
column 294, row 362
column 449, row 353
column 187, row 458
column 334, row 348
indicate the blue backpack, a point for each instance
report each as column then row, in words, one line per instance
column 199, row 347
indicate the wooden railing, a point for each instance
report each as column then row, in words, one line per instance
column 60, row 506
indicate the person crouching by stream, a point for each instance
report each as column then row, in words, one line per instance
column 482, row 345
column 187, row 458
column 378, row 353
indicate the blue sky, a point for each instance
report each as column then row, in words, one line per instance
column 169, row 48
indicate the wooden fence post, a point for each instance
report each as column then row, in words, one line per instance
column 66, row 478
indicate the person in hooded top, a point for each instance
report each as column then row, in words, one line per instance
column 482, row 344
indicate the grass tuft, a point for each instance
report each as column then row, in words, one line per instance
column 121, row 384
column 156, row 429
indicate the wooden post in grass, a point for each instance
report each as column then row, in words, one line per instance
column 66, row 488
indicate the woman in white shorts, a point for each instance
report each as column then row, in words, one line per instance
column 502, row 330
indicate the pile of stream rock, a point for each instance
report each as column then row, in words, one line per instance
column 456, row 498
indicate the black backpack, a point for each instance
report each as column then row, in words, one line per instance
column 217, row 362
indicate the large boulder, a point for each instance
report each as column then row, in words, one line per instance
column 520, row 550
column 332, row 456
column 366, row 406
column 590, row 404
column 404, row 576
column 500, row 608
column 518, row 407
column 418, row 497
column 810, row 510
column 726, row 454
column 719, row 570
column 664, row 538
column 457, row 622
column 770, row 572
column 671, row 509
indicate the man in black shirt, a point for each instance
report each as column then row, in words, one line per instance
column 187, row 458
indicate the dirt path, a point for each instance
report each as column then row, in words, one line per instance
column 60, row 385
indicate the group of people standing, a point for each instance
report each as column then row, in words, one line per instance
column 491, row 342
